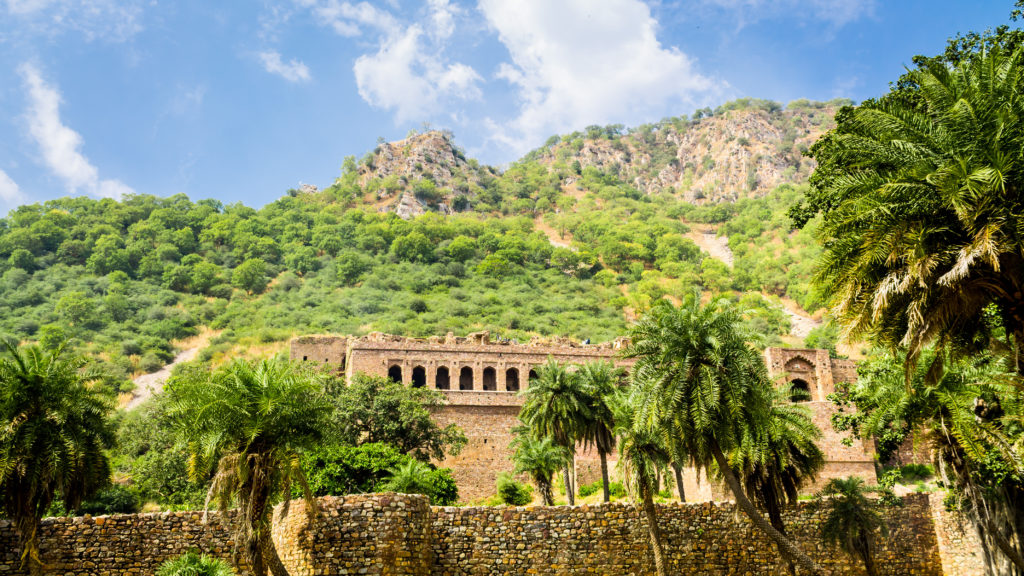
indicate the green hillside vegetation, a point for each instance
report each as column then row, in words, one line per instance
column 125, row 279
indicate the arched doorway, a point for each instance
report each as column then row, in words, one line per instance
column 466, row 378
column 395, row 373
column 419, row 377
column 512, row 380
column 442, row 380
column 532, row 377
column 490, row 379
column 799, row 391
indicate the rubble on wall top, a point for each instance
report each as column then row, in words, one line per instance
column 482, row 338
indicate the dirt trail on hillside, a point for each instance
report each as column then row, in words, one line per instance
column 553, row 236
column 801, row 323
column 147, row 385
column 716, row 246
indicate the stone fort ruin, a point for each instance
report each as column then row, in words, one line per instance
column 481, row 379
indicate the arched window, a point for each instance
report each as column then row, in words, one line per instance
column 442, row 381
column 419, row 377
column 799, row 391
column 395, row 373
column 512, row 380
column 533, row 375
column 490, row 379
column 466, row 378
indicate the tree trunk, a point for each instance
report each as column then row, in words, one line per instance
column 798, row 555
column 545, row 494
column 775, row 519
column 654, row 531
column 1004, row 545
column 569, row 492
column 864, row 551
column 28, row 528
column 679, row 481
column 604, row 476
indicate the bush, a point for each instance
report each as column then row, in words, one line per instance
column 916, row 471
column 616, row 489
column 193, row 564
column 513, row 492
column 116, row 499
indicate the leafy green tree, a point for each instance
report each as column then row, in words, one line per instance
column 710, row 390
column 336, row 469
column 555, row 405
column 375, row 409
column 539, row 459
column 601, row 381
column 413, row 247
column 76, row 308
column 194, row 564
column 852, row 521
column 250, row 276
column 55, row 433
column 23, row 259
column 250, row 421
column 461, row 248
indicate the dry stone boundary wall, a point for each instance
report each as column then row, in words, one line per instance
column 397, row 534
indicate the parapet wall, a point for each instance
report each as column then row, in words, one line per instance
column 398, row 534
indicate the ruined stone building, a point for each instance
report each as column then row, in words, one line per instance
column 481, row 379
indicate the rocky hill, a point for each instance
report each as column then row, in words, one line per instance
column 741, row 149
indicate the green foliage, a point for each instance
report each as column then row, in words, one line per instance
column 512, row 492
column 616, row 488
column 824, row 337
column 194, row 564
column 250, row 276
column 378, row 410
column 852, row 521
column 415, row 477
column 115, row 499
column 338, row 469
column 539, row 459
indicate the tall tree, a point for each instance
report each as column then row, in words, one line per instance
column 251, row 420
column 852, row 519
column 538, row 459
column 642, row 456
column 696, row 375
column 53, row 433
column 922, row 197
column 555, row 405
column 601, row 381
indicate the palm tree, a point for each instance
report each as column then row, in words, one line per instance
column 412, row 477
column 251, row 420
column 53, row 433
column 923, row 199
column 556, row 406
column 852, row 520
column 539, row 459
column 642, row 456
column 601, row 381
column 972, row 415
column 775, row 466
column 711, row 391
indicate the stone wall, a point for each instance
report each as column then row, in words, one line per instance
column 957, row 540
column 373, row 534
column 708, row 539
column 397, row 534
column 123, row 544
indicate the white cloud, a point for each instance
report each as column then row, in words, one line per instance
column 112, row 20
column 576, row 64
column 292, row 71
column 409, row 73
column 836, row 12
column 10, row 194
column 59, row 144
column 349, row 19
column 406, row 76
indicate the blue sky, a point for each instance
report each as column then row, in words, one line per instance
column 242, row 100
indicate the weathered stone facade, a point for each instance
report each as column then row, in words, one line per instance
column 398, row 534
column 481, row 378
